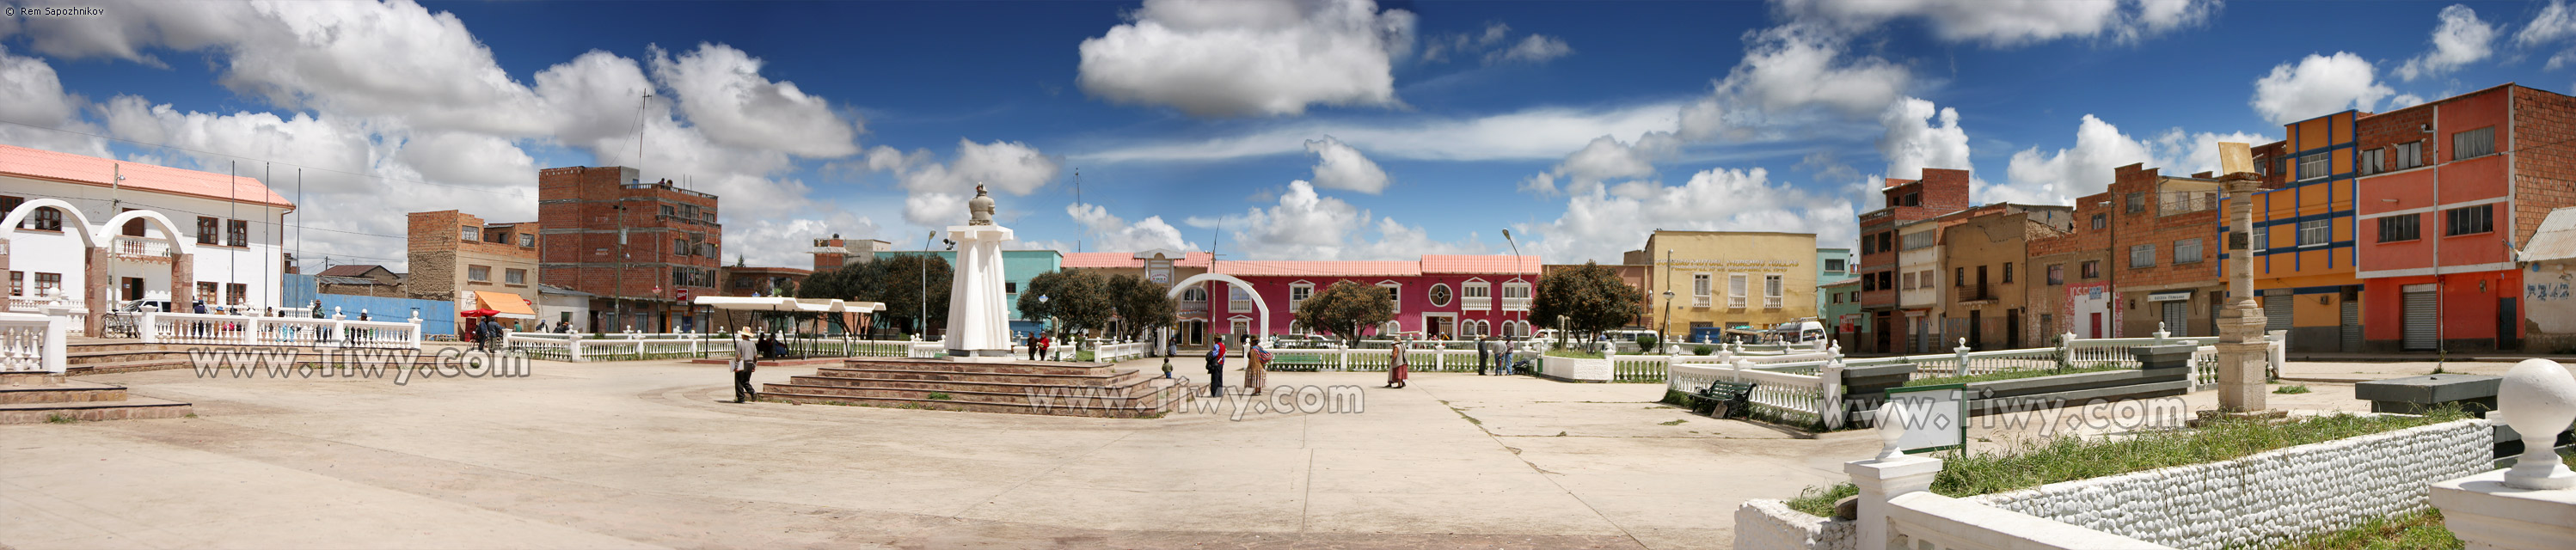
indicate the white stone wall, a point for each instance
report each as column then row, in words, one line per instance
column 1764, row 524
column 1576, row 369
column 2269, row 497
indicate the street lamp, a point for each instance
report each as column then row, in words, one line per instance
column 1662, row 329
column 1516, row 268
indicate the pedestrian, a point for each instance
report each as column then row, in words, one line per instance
column 1505, row 365
column 1045, row 342
column 317, row 309
column 362, row 315
column 746, row 358
column 1256, row 367
column 201, row 307
column 1032, row 342
column 1216, row 369
column 1396, row 370
column 491, row 334
column 1484, row 349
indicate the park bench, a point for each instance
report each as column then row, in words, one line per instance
column 1303, row 362
column 1722, row 399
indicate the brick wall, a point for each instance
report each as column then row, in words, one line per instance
column 2147, row 227
column 580, row 250
column 2544, row 176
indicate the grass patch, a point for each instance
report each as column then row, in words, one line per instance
column 940, row 396
column 1675, row 422
column 2034, row 463
column 1575, row 354
column 2291, row 390
column 1082, row 356
column 2416, row 531
column 2010, row 375
column 60, row 419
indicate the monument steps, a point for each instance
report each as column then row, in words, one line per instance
column 46, row 398
column 1129, row 390
column 1120, row 377
column 1067, row 408
column 1051, row 388
column 943, row 365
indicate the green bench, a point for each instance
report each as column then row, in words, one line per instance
column 1722, row 399
column 1296, row 361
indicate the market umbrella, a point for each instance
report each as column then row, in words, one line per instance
column 477, row 313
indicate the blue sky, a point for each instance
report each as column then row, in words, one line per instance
column 1288, row 129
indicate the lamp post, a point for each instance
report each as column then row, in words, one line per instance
column 1661, row 329
column 1516, row 268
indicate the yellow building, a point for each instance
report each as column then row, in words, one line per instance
column 1733, row 279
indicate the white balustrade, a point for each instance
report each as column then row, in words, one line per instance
column 31, row 343
column 236, row 330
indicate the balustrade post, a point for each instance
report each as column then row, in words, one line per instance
column 1962, row 353
column 572, row 347
column 58, row 326
column 2532, row 504
column 1830, row 411
column 1891, row 474
column 146, row 325
column 2066, row 350
column 2160, row 334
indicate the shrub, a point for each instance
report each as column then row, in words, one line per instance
column 1645, row 341
column 1704, row 349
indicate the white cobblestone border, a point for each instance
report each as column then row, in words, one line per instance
column 1765, row 524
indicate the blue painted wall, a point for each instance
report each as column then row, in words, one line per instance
column 436, row 316
column 1018, row 266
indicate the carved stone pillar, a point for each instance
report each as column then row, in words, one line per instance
column 183, row 281
column 95, row 290
column 2242, row 353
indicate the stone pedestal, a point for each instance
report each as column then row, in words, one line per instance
column 183, row 281
column 95, row 290
column 2486, row 513
column 978, row 322
column 1879, row 480
column 2475, row 393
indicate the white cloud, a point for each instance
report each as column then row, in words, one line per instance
column 1601, row 224
column 2318, row 85
column 1787, row 71
column 2058, row 178
column 721, row 90
column 1109, row 232
column 2554, row 23
column 1338, row 166
column 1605, row 158
column 31, row 93
column 939, row 191
column 1212, row 58
column 1536, row 48
column 1920, row 136
column 2461, row 39
column 2005, row 23
column 1305, row 225
column 792, row 232
column 1531, row 134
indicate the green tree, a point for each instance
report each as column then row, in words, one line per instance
column 1346, row 308
column 1142, row 305
column 896, row 281
column 1590, row 297
column 1076, row 300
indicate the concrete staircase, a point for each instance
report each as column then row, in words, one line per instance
column 1037, row 387
column 38, row 398
column 86, row 356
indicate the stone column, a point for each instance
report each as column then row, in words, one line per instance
column 2242, row 353
column 95, row 289
column 183, row 283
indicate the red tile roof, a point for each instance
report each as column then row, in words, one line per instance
column 67, row 167
column 1309, row 268
column 1480, row 264
column 1097, row 260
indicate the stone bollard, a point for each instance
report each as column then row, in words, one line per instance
column 1889, row 474
column 2533, row 504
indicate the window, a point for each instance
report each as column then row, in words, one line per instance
column 1868, row 246
column 1010, row 287
column 2142, row 256
column 2092, row 269
column 1298, row 293
column 44, row 219
column 2056, row 274
column 2263, row 166
column 2315, row 232
column 236, row 293
column 2187, row 251
column 205, row 291
column 1772, row 286
column 1927, row 278
column 1516, row 295
column 237, row 232
column 1959, row 277
column 2470, row 220
column 1194, row 294
column 2100, row 221
column 2262, row 238
column 1735, row 283
column 17, row 283
column 478, row 273
column 679, row 247
column 2008, row 272
column 1699, row 289
column 1440, row 295
column 1920, row 239
column 1393, row 294
column 2409, row 155
column 745, row 283
column 1869, row 282
column 206, row 230
column 48, row 283
column 666, row 210
column 2371, row 161
column 2314, row 166
column 10, row 204
column 527, row 239
column 1909, row 282
column 1913, row 199
column 2400, row 228
column 2473, row 143
column 1835, row 298
column 1834, row 265
column 1885, row 239
column 514, row 276
column 469, row 233
column 2137, row 202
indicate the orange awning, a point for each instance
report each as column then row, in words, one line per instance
column 511, row 306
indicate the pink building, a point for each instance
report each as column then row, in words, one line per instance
column 1459, row 296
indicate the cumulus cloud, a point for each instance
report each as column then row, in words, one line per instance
column 1537, row 133
column 1536, row 48
column 2554, row 23
column 2039, row 177
column 31, row 93
column 939, row 190
column 2318, row 85
column 1788, row 71
column 2005, row 23
column 1211, row 58
column 1109, row 232
column 2461, row 39
column 1920, row 136
column 1597, row 226
column 1338, row 166
column 1605, row 158
column 1305, row 225
column 721, row 90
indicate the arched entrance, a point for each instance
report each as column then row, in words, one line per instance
column 1260, row 307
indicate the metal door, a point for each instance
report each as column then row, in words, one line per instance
column 2351, row 323
column 2423, row 325
column 2177, row 315
column 2276, row 312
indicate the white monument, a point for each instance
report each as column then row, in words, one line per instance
column 978, row 322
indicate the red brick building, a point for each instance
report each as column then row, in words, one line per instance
column 643, row 247
column 459, row 258
column 2450, row 187
column 1939, row 192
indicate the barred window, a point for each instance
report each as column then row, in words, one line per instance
column 2406, row 227
column 2142, row 256
column 2470, row 220
column 2187, row 251
column 2315, row 232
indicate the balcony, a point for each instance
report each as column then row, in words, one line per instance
column 139, row 248
column 1974, row 292
column 1476, row 303
column 1516, row 304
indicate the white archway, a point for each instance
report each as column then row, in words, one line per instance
column 71, row 217
column 1258, row 304
column 169, row 231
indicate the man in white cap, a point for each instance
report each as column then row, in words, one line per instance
column 744, row 352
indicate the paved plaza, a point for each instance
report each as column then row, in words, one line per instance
column 645, row 454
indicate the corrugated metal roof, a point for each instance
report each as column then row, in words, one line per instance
column 330, row 280
column 350, row 270
column 1128, row 259
column 2556, row 239
column 42, row 164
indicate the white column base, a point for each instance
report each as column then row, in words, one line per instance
column 2487, row 514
